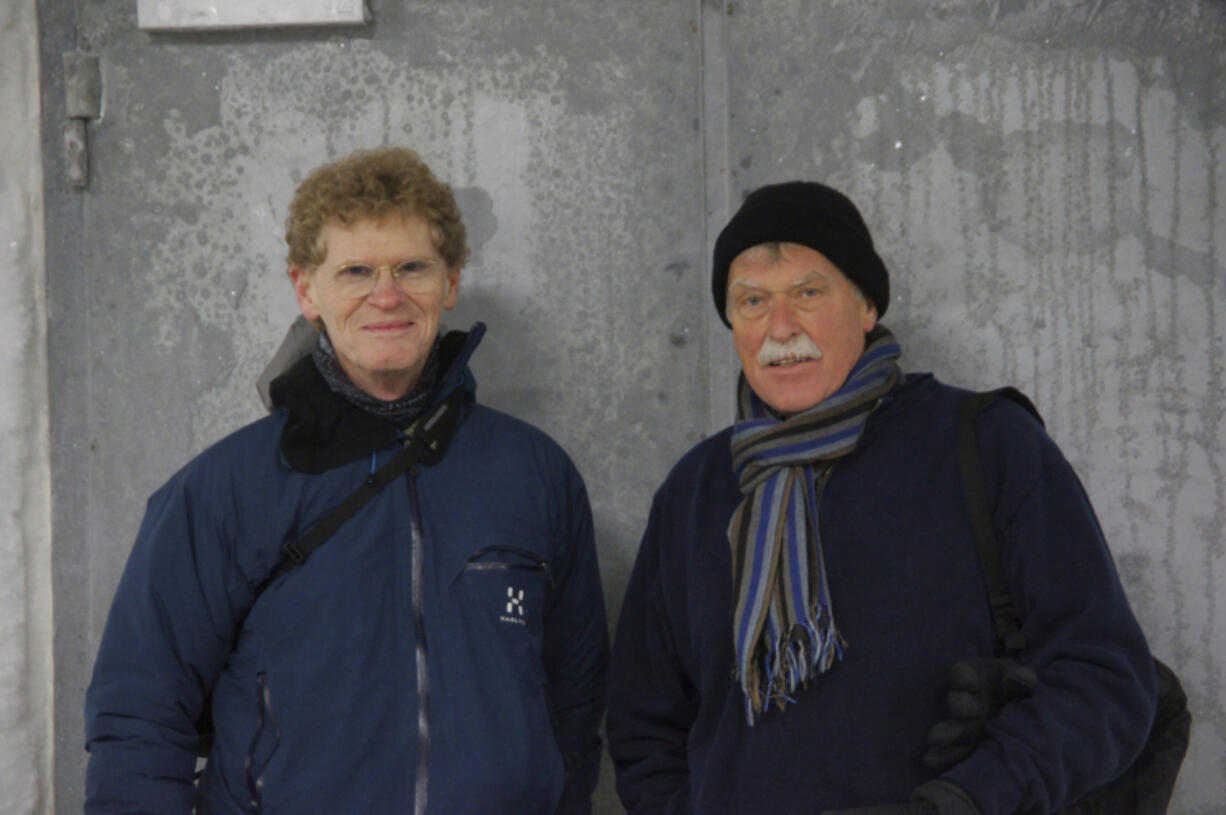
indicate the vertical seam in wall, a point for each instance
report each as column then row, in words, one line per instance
column 85, row 445
column 714, row 69
column 76, row 290
column 40, row 600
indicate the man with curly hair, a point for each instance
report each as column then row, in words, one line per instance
column 383, row 597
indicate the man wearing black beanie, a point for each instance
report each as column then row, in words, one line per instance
column 809, row 575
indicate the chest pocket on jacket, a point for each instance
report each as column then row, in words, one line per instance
column 494, row 719
column 509, row 586
column 512, row 583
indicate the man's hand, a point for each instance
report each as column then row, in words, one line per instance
column 978, row 689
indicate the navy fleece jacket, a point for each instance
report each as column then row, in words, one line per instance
column 908, row 596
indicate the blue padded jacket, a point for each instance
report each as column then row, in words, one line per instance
column 443, row 652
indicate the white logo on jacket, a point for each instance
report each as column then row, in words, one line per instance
column 515, row 607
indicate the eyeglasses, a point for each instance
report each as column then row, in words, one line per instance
column 413, row 277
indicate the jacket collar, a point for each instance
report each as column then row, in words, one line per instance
column 323, row 430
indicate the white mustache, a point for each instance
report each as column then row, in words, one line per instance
column 797, row 348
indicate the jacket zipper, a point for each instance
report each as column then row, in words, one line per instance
column 535, row 563
column 253, row 767
column 417, row 548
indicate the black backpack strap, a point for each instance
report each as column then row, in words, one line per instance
column 970, row 465
column 425, row 441
column 1145, row 787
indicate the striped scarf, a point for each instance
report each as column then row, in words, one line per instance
column 783, row 625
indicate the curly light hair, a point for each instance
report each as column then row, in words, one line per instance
column 374, row 184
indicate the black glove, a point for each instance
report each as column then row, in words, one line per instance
column 978, row 689
column 939, row 797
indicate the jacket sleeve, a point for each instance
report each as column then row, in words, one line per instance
column 576, row 651
column 1091, row 710
column 653, row 702
column 166, row 639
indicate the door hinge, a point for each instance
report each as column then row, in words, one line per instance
column 82, row 102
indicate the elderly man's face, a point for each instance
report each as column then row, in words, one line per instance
column 380, row 291
column 797, row 322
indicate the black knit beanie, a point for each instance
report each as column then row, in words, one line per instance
column 812, row 215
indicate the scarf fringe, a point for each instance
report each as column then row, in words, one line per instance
column 791, row 662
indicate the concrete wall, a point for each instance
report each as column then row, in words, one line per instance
column 25, row 464
column 1043, row 179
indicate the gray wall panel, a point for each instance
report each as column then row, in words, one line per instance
column 570, row 132
column 26, row 664
column 1045, row 183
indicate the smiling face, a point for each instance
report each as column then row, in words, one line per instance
column 382, row 329
column 798, row 324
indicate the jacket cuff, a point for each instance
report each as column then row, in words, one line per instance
column 988, row 781
column 948, row 797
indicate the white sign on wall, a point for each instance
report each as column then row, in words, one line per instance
column 204, row 14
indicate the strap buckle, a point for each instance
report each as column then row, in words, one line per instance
column 295, row 554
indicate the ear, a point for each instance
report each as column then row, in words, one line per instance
column 305, row 290
column 453, row 289
column 868, row 320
